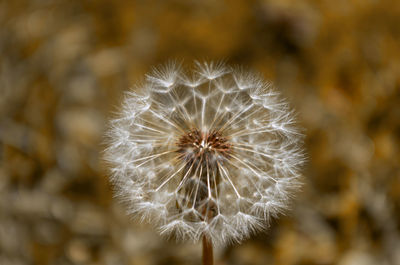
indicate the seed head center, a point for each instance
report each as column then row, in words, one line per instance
column 203, row 146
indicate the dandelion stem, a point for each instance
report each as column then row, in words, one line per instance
column 208, row 258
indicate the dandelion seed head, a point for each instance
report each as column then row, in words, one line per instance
column 212, row 151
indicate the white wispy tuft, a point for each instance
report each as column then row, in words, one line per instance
column 213, row 151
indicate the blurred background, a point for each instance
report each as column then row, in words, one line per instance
column 65, row 64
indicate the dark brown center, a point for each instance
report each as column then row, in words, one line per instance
column 204, row 146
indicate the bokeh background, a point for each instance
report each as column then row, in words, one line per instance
column 65, row 64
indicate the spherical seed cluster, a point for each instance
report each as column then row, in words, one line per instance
column 213, row 152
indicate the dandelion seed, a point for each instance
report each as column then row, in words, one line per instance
column 214, row 155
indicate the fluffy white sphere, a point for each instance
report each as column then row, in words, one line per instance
column 214, row 151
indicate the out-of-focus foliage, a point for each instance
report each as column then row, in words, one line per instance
column 64, row 65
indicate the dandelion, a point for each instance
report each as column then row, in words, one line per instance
column 209, row 154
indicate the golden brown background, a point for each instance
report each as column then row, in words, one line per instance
column 64, row 65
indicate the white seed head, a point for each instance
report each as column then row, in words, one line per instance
column 213, row 152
